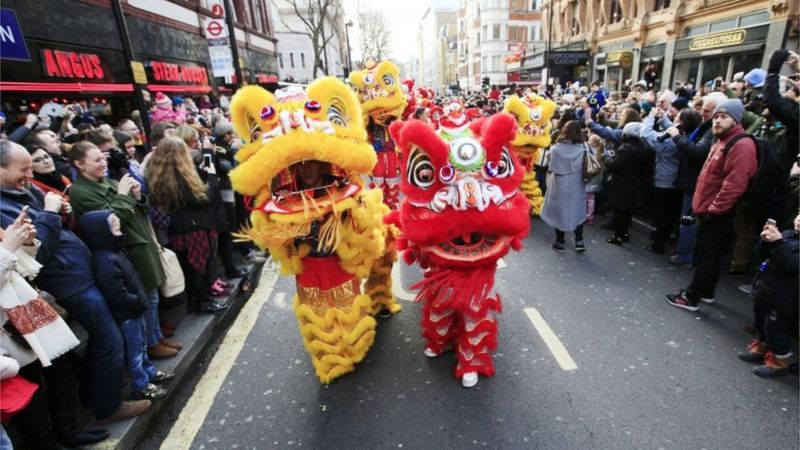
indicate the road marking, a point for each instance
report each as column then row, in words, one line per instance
column 553, row 343
column 501, row 263
column 191, row 419
column 397, row 285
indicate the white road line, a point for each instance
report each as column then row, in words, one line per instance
column 553, row 343
column 183, row 432
column 501, row 263
column 397, row 284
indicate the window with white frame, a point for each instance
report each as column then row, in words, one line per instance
column 280, row 59
column 303, row 60
column 291, row 59
column 496, row 31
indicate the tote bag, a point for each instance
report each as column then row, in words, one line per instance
column 591, row 166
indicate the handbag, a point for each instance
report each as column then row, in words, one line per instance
column 174, row 280
column 591, row 166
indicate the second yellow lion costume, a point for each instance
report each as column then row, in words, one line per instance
column 533, row 114
column 330, row 237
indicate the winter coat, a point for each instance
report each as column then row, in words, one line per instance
column 115, row 275
column 194, row 214
column 138, row 240
column 565, row 200
column 694, row 148
column 778, row 283
column 667, row 156
column 788, row 112
column 596, row 183
column 613, row 135
column 67, row 263
column 724, row 179
column 629, row 170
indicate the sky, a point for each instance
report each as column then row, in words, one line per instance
column 404, row 18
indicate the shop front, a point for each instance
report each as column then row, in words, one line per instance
column 567, row 66
column 613, row 68
column 651, row 65
column 703, row 58
column 526, row 72
column 174, row 77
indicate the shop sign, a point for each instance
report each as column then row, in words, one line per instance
column 513, row 65
column 69, row 64
column 139, row 75
column 12, row 43
column 623, row 58
column 537, row 61
column 162, row 72
column 568, row 58
column 718, row 40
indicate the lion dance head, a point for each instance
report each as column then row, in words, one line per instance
column 380, row 91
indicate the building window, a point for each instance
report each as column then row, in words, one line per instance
column 754, row 19
column 303, row 60
column 519, row 5
column 496, row 31
column 479, row 38
column 536, row 31
column 616, row 11
column 485, row 63
column 291, row 59
column 723, row 25
column 280, row 59
column 661, row 4
column 496, row 63
column 536, row 5
column 259, row 16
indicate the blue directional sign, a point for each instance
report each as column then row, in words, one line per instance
column 12, row 43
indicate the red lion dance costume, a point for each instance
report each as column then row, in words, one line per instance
column 460, row 214
column 380, row 92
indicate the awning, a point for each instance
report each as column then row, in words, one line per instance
column 80, row 88
column 720, row 51
column 204, row 89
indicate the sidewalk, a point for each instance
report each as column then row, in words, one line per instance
column 196, row 331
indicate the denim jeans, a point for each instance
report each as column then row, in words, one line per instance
column 151, row 320
column 140, row 369
column 5, row 442
column 104, row 360
column 684, row 248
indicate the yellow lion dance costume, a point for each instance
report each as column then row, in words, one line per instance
column 533, row 114
column 331, row 235
column 380, row 92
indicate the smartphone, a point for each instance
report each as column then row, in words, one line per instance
column 25, row 209
column 772, row 222
column 208, row 159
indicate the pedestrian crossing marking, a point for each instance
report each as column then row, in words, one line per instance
column 551, row 340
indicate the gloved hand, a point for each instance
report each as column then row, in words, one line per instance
column 776, row 61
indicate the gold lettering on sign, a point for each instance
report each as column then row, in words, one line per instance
column 718, row 40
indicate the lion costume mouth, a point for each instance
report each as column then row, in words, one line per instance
column 470, row 247
column 288, row 198
column 368, row 94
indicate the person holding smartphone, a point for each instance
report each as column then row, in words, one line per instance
column 775, row 295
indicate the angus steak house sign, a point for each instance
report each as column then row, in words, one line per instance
column 164, row 72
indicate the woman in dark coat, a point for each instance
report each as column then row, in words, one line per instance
column 629, row 168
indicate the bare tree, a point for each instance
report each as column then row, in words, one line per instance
column 375, row 34
column 314, row 14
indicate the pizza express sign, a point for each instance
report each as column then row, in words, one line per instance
column 174, row 73
column 718, row 40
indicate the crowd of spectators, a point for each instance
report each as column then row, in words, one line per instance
column 86, row 209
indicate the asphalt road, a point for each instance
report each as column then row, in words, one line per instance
column 648, row 375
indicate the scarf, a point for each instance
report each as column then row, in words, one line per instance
column 39, row 324
column 52, row 179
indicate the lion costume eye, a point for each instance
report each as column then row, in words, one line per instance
column 369, row 78
column 388, row 80
column 536, row 114
column 504, row 168
column 420, row 171
column 336, row 115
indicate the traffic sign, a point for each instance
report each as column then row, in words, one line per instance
column 217, row 11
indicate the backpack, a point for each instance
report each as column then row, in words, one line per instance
column 769, row 175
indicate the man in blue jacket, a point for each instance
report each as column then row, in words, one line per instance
column 67, row 274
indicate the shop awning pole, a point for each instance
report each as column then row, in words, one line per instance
column 122, row 27
column 234, row 47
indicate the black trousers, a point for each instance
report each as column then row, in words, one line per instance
column 713, row 236
column 578, row 234
column 667, row 204
column 622, row 222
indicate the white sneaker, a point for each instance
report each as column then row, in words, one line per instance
column 707, row 300
column 430, row 353
column 469, row 379
column 746, row 288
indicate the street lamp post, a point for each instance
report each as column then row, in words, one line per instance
column 347, row 37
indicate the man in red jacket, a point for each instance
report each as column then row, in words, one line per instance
column 723, row 180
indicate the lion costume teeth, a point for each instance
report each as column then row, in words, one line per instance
column 533, row 114
column 330, row 237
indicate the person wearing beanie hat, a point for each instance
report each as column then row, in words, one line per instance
column 163, row 101
column 628, row 168
column 222, row 128
column 679, row 103
column 733, row 107
column 755, row 78
column 722, row 183
column 176, row 101
column 164, row 112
